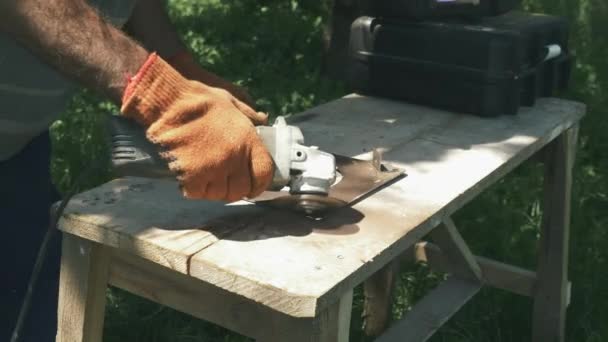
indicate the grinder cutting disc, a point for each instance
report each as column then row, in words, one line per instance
column 312, row 205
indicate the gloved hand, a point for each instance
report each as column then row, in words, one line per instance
column 206, row 135
column 185, row 63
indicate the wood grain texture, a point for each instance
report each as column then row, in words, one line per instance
column 333, row 323
column 202, row 300
column 552, row 290
column 299, row 266
column 449, row 159
column 432, row 311
column 82, row 291
column 149, row 218
column 378, row 298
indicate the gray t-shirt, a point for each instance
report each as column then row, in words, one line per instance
column 32, row 94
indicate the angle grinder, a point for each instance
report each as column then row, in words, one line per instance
column 306, row 171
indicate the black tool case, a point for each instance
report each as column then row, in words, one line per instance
column 488, row 69
column 426, row 9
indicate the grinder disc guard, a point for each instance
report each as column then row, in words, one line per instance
column 356, row 179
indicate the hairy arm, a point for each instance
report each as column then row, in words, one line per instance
column 150, row 24
column 72, row 37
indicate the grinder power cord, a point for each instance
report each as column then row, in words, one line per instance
column 185, row 118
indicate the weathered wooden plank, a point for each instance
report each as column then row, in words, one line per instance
column 322, row 252
column 432, row 311
column 83, row 280
column 447, row 237
column 355, row 125
column 202, row 300
column 378, row 298
column 551, row 295
column 149, row 218
column 496, row 274
column 331, row 325
column 263, row 255
column 242, row 315
column 441, row 178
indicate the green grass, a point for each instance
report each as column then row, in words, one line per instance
column 274, row 49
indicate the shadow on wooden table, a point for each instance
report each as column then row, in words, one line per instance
column 273, row 223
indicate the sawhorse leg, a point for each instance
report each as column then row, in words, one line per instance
column 334, row 322
column 83, row 280
column 330, row 325
column 549, row 285
column 552, row 289
column 431, row 312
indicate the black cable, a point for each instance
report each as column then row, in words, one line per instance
column 42, row 252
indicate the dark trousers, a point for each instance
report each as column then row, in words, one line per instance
column 26, row 195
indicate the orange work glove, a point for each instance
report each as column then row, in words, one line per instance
column 185, row 63
column 208, row 141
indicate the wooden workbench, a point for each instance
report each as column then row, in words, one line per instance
column 277, row 276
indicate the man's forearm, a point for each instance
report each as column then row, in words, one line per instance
column 150, row 24
column 74, row 39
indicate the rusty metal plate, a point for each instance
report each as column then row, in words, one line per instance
column 360, row 178
column 356, row 180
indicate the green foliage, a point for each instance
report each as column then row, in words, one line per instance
column 274, row 48
column 79, row 144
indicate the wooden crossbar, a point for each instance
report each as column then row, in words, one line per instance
column 432, row 311
column 496, row 274
column 452, row 244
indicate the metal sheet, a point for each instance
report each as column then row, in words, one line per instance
column 357, row 179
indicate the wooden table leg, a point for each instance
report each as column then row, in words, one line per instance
column 378, row 298
column 330, row 325
column 83, row 280
column 333, row 324
column 551, row 292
